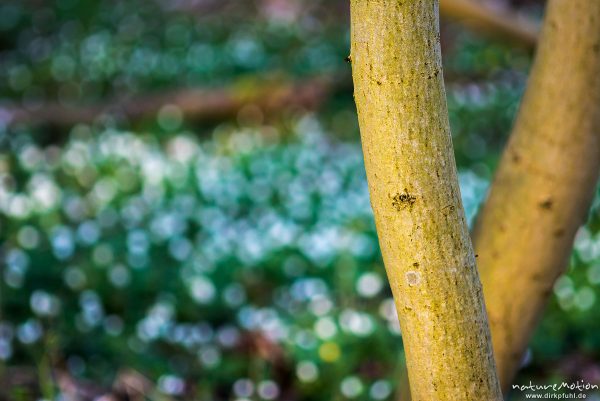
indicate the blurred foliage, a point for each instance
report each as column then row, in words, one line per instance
column 235, row 260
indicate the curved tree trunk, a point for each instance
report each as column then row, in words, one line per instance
column 411, row 171
column 545, row 182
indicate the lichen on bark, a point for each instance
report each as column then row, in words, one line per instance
column 401, row 104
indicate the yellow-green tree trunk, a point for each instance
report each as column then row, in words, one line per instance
column 545, row 182
column 399, row 93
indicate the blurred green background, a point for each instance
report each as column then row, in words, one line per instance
column 184, row 213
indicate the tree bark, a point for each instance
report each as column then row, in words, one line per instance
column 545, row 181
column 399, row 93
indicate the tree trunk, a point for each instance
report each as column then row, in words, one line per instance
column 411, row 171
column 545, row 182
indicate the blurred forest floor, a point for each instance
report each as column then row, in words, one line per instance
column 184, row 211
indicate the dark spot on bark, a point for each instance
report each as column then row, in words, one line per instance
column 537, row 277
column 546, row 204
column 476, row 255
column 435, row 74
column 448, row 209
column 516, row 158
column 559, row 232
column 416, row 264
column 403, row 200
column 348, row 59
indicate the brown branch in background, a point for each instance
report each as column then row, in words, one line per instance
column 194, row 104
column 270, row 97
column 500, row 23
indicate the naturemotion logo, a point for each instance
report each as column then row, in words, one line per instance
column 563, row 390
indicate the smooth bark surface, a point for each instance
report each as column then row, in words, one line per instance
column 545, row 182
column 413, row 184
